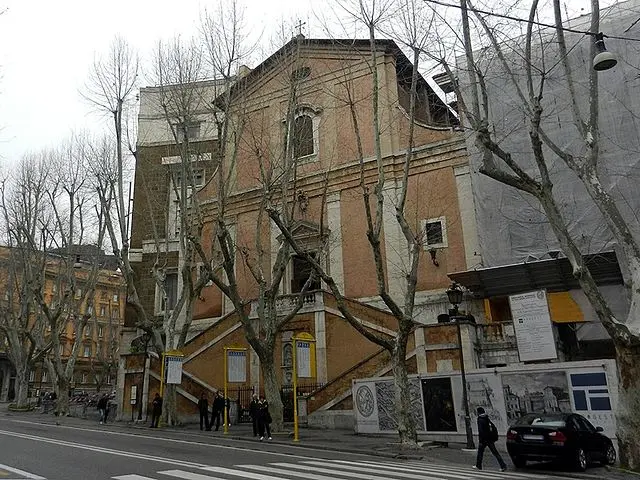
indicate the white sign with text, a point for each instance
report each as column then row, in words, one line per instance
column 532, row 325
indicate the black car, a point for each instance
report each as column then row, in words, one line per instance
column 558, row 436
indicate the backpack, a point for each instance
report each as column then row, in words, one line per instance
column 493, row 432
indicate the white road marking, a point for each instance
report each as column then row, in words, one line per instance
column 188, row 475
column 281, row 471
column 109, row 451
column 17, row 471
column 132, row 477
column 191, row 442
column 342, row 473
column 238, row 473
column 454, row 471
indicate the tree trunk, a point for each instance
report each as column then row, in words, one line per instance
column 272, row 393
column 170, row 405
column 22, row 386
column 628, row 422
column 406, row 425
column 62, row 400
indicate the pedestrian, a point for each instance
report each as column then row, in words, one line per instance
column 217, row 409
column 102, row 408
column 253, row 411
column 264, row 418
column 156, row 410
column 487, row 437
column 203, row 408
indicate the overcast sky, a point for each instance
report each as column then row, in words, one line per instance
column 47, row 48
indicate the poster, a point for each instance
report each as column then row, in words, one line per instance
column 535, row 392
column 303, row 357
column 236, row 366
column 532, row 325
column 174, row 370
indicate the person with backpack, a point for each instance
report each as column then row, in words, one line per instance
column 487, row 437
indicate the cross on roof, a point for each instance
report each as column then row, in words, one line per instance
column 299, row 26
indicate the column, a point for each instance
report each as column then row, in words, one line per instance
column 334, row 223
column 395, row 245
column 321, row 347
column 467, row 210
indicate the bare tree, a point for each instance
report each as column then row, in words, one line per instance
column 384, row 185
column 553, row 83
column 23, row 326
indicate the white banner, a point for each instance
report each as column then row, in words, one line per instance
column 236, row 366
column 303, row 357
column 174, row 370
column 532, row 325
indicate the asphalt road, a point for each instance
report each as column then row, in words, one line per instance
column 32, row 450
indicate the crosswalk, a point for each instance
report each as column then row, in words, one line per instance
column 336, row 470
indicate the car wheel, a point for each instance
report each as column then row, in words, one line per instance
column 580, row 460
column 610, row 455
column 519, row 462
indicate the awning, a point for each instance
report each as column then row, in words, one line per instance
column 553, row 275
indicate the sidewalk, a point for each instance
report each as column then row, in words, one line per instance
column 321, row 439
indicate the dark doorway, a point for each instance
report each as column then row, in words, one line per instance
column 438, row 405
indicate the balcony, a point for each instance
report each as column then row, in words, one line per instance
column 496, row 344
column 311, row 302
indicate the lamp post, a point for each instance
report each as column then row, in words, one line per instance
column 455, row 294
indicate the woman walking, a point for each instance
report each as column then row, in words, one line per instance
column 264, row 418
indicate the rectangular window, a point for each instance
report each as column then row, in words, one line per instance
column 85, row 377
column 580, row 399
column 303, row 143
column 87, row 331
column 32, row 376
column 103, row 311
column 100, row 331
column 190, row 130
column 44, row 376
column 115, row 297
column 115, row 313
column 89, row 309
column 78, row 293
column 600, row 403
column 61, row 350
column 167, row 300
column 87, row 351
column 435, row 233
column 300, row 272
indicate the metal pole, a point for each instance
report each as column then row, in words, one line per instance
column 465, row 399
column 295, row 389
column 162, row 376
column 224, row 408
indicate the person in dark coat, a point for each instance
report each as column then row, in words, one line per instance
column 487, row 438
column 253, row 411
column 217, row 410
column 103, row 408
column 264, row 418
column 156, row 410
column 203, row 408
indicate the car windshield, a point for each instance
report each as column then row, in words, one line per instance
column 542, row 421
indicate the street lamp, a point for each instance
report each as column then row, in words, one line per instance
column 455, row 294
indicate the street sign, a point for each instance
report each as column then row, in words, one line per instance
column 174, row 369
column 236, row 366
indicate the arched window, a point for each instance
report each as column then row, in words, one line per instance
column 303, row 143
